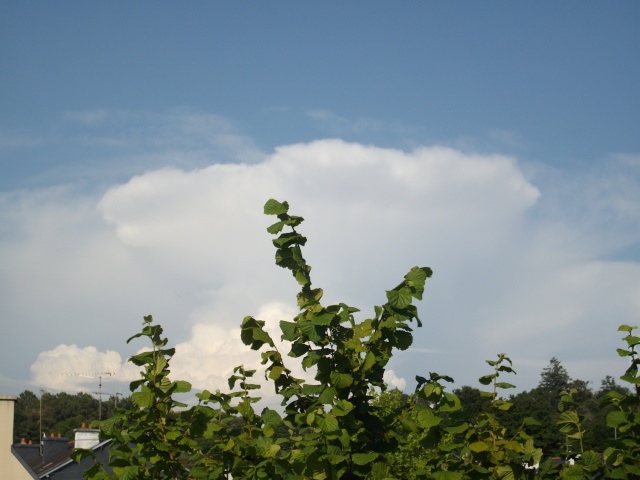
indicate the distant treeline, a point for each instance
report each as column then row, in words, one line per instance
column 541, row 403
column 61, row 413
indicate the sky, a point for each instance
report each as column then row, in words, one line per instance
column 497, row 143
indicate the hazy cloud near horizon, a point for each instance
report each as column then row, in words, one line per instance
column 513, row 271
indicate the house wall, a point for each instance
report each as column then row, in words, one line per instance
column 10, row 466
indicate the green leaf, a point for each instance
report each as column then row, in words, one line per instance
column 341, row 380
column 182, row 386
column 363, row 458
column 416, row 279
column 591, row 461
column 271, row 417
column 369, row 361
column 399, row 298
column 403, row 339
column 427, row 419
column 447, row 475
column 505, row 472
column 288, row 330
column 569, row 417
column 327, row 422
column 275, row 372
column 478, row 447
column 323, row 319
column 144, row 398
column 311, row 331
column 461, row 428
column 129, row 473
column 275, row 228
column 342, row 408
column 505, row 385
column 273, row 207
column 616, row 418
column 80, row 453
column 531, row 421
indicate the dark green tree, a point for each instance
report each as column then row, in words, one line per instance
column 473, row 402
column 554, row 380
column 26, row 422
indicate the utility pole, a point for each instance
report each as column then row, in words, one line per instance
column 42, row 392
column 40, row 440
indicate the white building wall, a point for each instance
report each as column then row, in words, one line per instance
column 86, row 438
column 10, row 466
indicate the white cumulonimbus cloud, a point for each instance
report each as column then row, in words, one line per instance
column 513, row 272
column 72, row 368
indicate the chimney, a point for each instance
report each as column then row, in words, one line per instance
column 53, row 446
column 86, row 437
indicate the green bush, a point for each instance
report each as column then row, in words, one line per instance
column 337, row 426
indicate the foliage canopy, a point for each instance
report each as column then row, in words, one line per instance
column 332, row 427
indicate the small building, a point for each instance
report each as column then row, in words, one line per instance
column 26, row 461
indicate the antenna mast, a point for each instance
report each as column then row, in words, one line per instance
column 99, row 376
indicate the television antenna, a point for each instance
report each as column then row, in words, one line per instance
column 99, row 376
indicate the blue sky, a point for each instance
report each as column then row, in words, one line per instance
column 512, row 129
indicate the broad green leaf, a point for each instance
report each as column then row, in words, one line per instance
column 161, row 362
column 311, row 417
column 288, row 330
column 327, row 422
column 311, row 331
column 341, row 380
column 182, row 386
column 273, row 207
column 427, row 419
column 327, row 396
column 399, row 298
column 632, row 340
column 323, row 319
column 144, row 398
column 478, row 447
column 275, row 228
column 369, row 361
column 363, row 458
column 447, row 475
column 616, row 418
column 403, row 339
column 505, row 385
column 261, row 336
column 342, row 408
column 129, row 473
column 461, row 428
column 574, row 472
column 275, row 372
column 505, row 472
column 416, row 279
column 312, row 389
column 569, row 417
column 271, row 417
column 502, row 405
column 409, row 424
